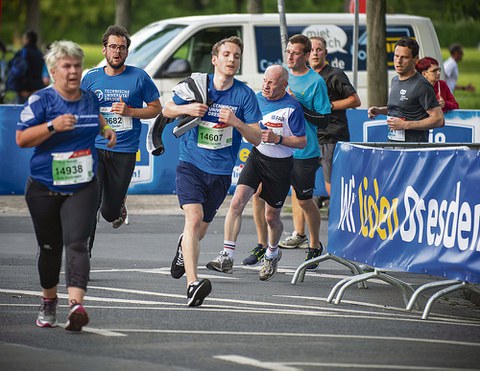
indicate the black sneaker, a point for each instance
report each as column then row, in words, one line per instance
column 177, row 269
column 313, row 253
column 198, row 291
column 257, row 254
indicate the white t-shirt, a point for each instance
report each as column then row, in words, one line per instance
column 450, row 68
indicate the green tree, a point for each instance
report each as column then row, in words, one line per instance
column 123, row 10
column 85, row 20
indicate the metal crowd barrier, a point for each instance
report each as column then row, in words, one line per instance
column 360, row 276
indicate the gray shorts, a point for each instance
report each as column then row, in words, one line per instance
column 326, row 160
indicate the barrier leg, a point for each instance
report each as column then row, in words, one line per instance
column 427, row 286
column 404, row 287
column 440, row 293
column 299, row 274
column 353, row 280
column 336, row 287
column 354, row 268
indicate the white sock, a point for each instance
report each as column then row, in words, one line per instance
column 272, row 252
column 229, row 248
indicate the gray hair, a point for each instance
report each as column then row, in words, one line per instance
column 61, row 49
column 281, row 72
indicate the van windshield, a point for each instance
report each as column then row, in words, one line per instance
column 146, row 50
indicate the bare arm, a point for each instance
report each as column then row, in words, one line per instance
column 374, row 111
column 351, row 101
column 173, row 110
column 149, row 112
column 36, row 135
column 107, row 132
column 435, row 119
column 251, row 132
column 268, row 136
column 468, row 87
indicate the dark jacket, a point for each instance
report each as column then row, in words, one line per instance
column 33, row 79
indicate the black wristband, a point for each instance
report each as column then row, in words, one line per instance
column 280, row 140
column 50, row 127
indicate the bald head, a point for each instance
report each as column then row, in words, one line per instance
column 275, row 81
column 279, row 72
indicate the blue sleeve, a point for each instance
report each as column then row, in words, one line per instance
column 179, row 101
column 85, row 84
column 33, row 113
column 149, row 92
column 252, row 112
column 296, row 121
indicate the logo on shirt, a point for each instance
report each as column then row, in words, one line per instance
column 403, row 94
column 99, row 94
column 279, row 118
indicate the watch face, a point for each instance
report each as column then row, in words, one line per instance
column 50, row 127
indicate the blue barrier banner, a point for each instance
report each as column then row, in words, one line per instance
column 413, row 210
column 14, row 161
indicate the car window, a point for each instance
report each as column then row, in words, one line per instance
column 197, row 49
column 145, row 51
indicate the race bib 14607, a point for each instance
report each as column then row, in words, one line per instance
column 213, row 135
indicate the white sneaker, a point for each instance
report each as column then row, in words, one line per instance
column 293, row 241
column 222, row 263
column 269, row 267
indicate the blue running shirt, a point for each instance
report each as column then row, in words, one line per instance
column 135, row 87
column 47, row 104
column 196, row 144
column 311, row 91
column 284, row 117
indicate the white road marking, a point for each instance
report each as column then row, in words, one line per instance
column 360, row 338
column 380, row 306
column 288, row 366
column 286, row 270
column 102, row 332
column 164, row 271
column 259, row 307
column 256, row 363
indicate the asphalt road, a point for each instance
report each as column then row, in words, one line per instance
column 140, row 321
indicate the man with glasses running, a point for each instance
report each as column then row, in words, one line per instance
column 310, row 89
column 122, row 91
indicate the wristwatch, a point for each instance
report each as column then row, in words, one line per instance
column 279, row 140
column 50, row 127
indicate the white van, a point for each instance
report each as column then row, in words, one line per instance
column 171, row 49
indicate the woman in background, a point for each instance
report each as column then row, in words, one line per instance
column 430, row 69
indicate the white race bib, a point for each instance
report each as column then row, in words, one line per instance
column 116, row 121
column 213, row 135
column 72, row 167
column 396, row 135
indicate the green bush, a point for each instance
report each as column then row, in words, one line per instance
column 93, row 54
column 465, row 32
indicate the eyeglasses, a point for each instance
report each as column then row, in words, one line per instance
column 295, row 54
column 436, row 70
column 115, row 47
